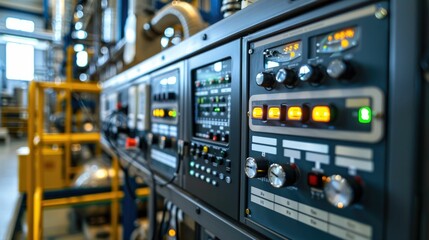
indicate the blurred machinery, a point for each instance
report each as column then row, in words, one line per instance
column 143, row 33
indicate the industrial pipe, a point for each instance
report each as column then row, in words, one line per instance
column 174, row 13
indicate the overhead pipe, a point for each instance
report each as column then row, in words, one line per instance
column 177, row 12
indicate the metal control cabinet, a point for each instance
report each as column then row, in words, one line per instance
column 167, row 117
column 318, row 144
column 212, row 169
column 322, row 124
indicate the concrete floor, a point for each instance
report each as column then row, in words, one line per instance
column 8, row 182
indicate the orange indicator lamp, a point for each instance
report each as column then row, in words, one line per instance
column 258, row 113
column 321, row 114
column 294, row 113
column 274, row 113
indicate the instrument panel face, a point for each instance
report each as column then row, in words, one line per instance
column 212, row 101
column 315, row 162
column 338, row 41
column 274, row 57
column 165, row 115
column 212, row 167
column 143, row 106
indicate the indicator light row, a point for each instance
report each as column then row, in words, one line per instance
column 164, row 113
column 213, row 109
column 214, row 99
column 293, row 113
column 213, row 81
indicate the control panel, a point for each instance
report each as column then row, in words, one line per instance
column 212, row 167
column 108, row 103
column 315, row 162
column 133, row 98
column 143, row 107
column 165, row 123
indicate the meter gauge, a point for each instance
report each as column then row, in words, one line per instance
column 256, row 168
column 281, row 175
column 338, row 41
column 341, row 192
column 274, row 57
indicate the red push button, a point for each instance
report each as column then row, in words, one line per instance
column 315, row 180
column 131, row 143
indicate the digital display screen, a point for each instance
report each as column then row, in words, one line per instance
column 338, row 41
column 212, row 101
column 282, row 54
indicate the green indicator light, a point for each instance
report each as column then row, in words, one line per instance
column 172, row 113
column 365, row 115
column 216, row 109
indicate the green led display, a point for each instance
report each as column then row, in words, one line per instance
column 365, row 115
column 216, row 109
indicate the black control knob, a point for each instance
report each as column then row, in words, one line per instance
column 342, row 192
column 171, row 96
column 256, row 168
column 308, row 73
column 220, row 160
column 165, row 142
column 225, row 138
column 152, row 139
column 339, row 69
column 265, row 79
column 210, row 135
column 281, row 175
column 286, row 77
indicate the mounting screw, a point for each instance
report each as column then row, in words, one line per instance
column 379, row 116
column 198, row 210
column 250, row 51
column 248, row 212
column 204, row 37
column 381, row 13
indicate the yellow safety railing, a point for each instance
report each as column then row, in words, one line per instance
column 37, row 138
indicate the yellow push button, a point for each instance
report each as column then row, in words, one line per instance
column 294, row 113
column 274, row 113
column 205, row 149
column 161, row 113
column 321, row 114
column 258, row 113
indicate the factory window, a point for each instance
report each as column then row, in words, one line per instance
column 19, row 24
column 19, row 61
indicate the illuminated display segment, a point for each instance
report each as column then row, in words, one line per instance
column 212, row 101
column 161, row 113
column 282, row 54
column 338, row 41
